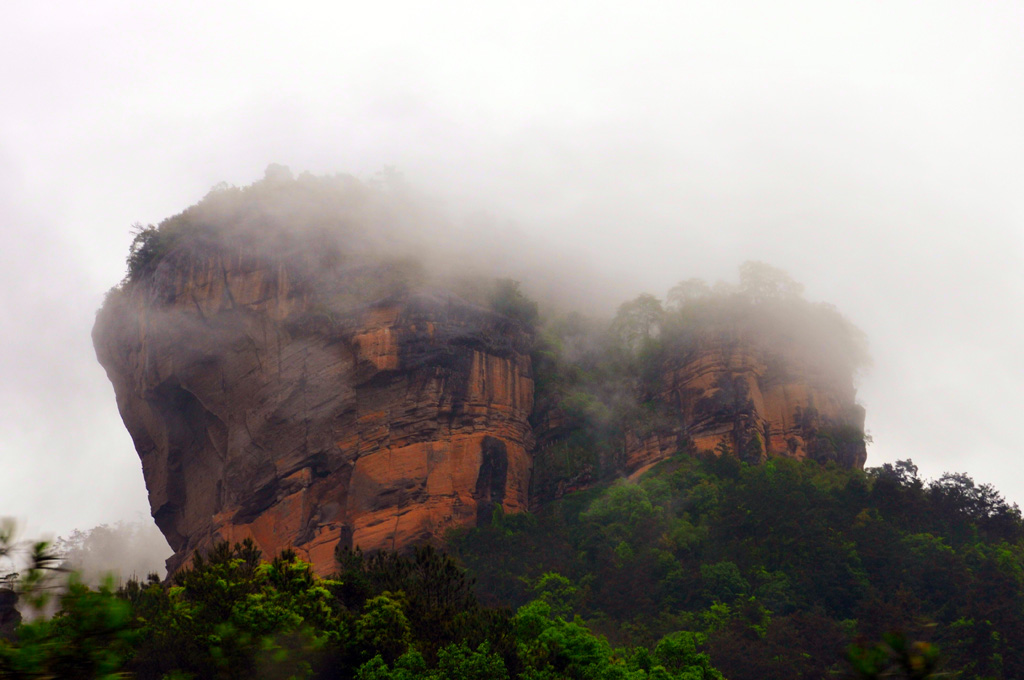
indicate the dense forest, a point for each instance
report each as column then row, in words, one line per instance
column 706, row 567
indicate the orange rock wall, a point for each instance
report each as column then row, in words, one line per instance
column 260, row 411
column 262, row 408
column 755, row 401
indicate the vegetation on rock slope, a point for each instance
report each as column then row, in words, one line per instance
column 778, row 566
column 352, row 242
column 704, row 568
column 600, row 380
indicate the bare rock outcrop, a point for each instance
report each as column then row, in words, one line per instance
column 262, row 407
column 741, row 396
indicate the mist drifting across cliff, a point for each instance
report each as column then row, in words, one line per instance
column 873, row 153
column 382, row 235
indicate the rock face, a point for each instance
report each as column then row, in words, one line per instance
column 260, row 410
column 264, row 404
column 735, row 393
column 282, row 383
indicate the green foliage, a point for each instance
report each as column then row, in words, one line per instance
column 702, row 569
column 90, row 638
column 775, row 569
column 383, row 627
column 638, row 322
column 455, row 662
column 508, row 299
column 723, row 581
column 459, row 662
column 435, row 595
column 678, row 653
column 409, row 666
column 384, row 616
column 28, row 572
column 148, row 245
column 599, row 384
column 557, row 592
column 584, row 397
column 91, row 635
column 231, row 613
column 552, row 647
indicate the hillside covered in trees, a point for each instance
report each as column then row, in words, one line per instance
column 706, row 567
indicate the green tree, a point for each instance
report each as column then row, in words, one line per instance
column 638, row 321
column 384, row 628
column 679, row 654
column 459, row 662
column 90, row 638
column 507, row 298
column 558, row 592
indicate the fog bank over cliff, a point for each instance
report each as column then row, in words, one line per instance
column 318, row 361
column 873, row 153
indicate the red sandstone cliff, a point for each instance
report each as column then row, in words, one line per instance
column 282, row 381
column 263, row 404
column 259, row 410
column 755, row 400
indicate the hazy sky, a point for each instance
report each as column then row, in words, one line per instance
column 873, row 150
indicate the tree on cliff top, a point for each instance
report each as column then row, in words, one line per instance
column 507, row 298
column 638, row 321
column 767, row 308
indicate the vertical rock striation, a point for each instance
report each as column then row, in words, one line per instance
column 755, row 401
column 282, row 381
column 260, row 409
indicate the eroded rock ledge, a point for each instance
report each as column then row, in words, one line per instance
column 259, row 411
column 754, row 402
column 287, row 374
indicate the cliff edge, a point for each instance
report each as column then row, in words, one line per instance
column 289, row 374
column 259, row 412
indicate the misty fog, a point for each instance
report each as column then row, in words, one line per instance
column 593, row 151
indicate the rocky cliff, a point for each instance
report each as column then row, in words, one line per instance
column 736, row 394
column 288, row 375
column 257, row 411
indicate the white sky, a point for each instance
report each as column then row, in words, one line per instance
column 873, row 150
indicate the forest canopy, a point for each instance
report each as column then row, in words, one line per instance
column 705, row 568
